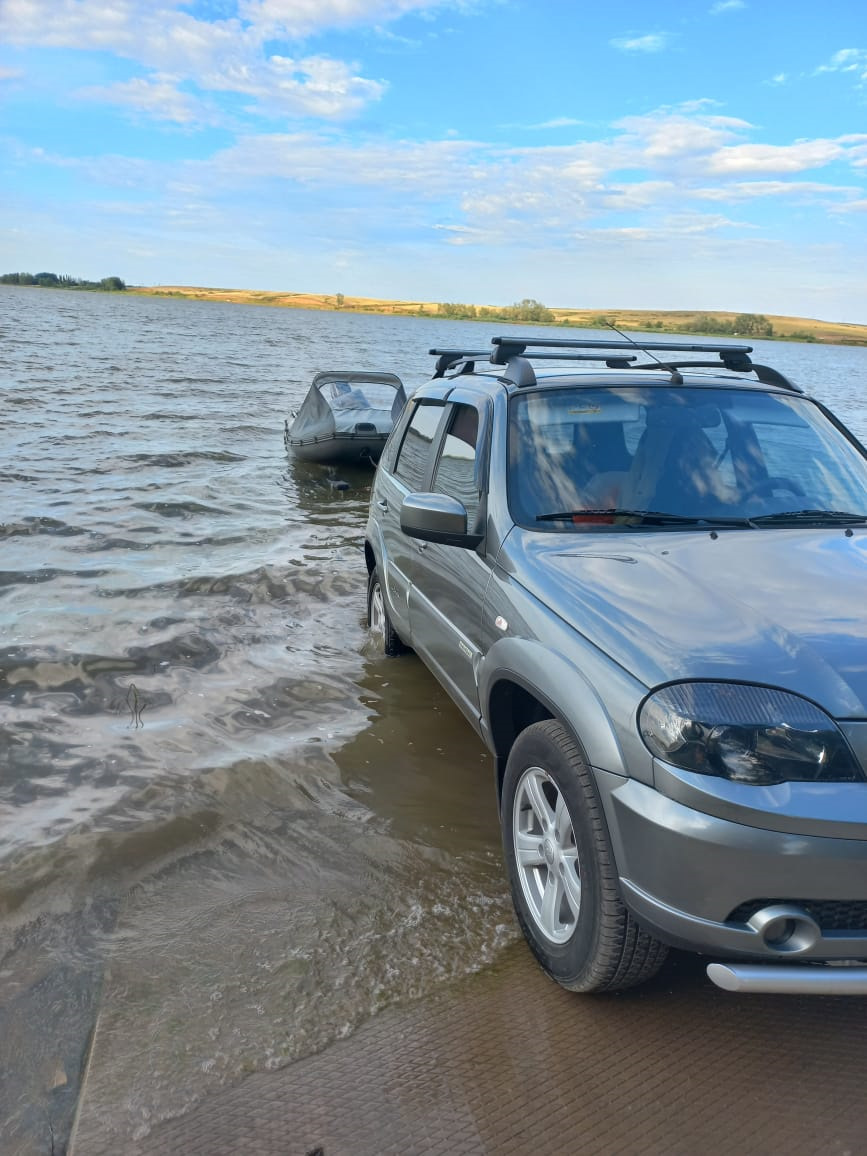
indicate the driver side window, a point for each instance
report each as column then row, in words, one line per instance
column 456, row 471
column 411, row 467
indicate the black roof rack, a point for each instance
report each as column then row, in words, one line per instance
column 513, row 353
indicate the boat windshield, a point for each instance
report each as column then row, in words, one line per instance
column 359, row 395
column 661, row 456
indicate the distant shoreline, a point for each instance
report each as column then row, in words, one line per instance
column 688, row 322
column 645, row 320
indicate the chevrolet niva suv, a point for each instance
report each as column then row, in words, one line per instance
column 647, row 591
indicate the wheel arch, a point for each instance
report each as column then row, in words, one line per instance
column 369, row 556
column 548, row 686
column 512, row 707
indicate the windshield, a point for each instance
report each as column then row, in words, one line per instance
column 358, row 395
column 582, row 458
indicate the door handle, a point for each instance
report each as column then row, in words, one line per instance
column 382, row 503
column 421, row 546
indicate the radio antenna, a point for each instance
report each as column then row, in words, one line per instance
column 676, row 378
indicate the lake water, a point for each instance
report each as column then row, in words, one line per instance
column 229, row 832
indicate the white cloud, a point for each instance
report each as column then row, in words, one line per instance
column 804, row 191
column 673, row 174
column 638, row 196
column 764, row 158
column 694, row 224
column 427, row 167
column 298, row 18
column 852, row 60
column 316, row 86
column 668, row 134
column 213, row 56
column 550, row 187
column 10, row 73
column 463, row 234
column 726, row 6
column 652, row 42
column 157, row 96
column 117, row 24
column 557, row 122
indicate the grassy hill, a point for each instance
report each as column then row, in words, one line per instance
column 662, row 321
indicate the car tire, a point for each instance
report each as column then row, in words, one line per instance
column 378, row 621
column 562, row 872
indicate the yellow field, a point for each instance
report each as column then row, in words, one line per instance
column 663, row 321
column 678, row 321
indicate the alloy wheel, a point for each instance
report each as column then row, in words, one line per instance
column 546, row 855
column 376, row 614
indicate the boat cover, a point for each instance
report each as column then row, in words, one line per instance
column 348, row 402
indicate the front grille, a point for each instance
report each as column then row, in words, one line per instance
column 830, row 914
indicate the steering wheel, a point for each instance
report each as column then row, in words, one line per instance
column 767, row 486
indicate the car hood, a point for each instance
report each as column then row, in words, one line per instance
column 782, row 607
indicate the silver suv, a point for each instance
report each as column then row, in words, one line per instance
column 645, row 588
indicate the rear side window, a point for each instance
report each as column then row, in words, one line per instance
column 414, row 455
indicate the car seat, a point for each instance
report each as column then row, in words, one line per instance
column 674, row 470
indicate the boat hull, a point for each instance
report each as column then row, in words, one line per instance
column 338, row 447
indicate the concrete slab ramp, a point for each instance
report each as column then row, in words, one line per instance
column 506, row 1062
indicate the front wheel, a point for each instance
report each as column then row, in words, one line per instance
column 562, row 872
column 378, row 620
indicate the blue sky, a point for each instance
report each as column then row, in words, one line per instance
column 678, row 154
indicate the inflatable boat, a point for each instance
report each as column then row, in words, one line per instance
column 345, row 417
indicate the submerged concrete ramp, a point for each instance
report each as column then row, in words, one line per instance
column 506, row 1062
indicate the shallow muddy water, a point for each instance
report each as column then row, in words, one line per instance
column 229, row 832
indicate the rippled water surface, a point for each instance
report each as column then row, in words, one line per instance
column 229, row 832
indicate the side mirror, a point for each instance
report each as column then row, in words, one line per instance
column 437, row 518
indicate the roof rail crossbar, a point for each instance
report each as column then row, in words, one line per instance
column 465, row 358
column 582, row 343
column 448, row 358
column 615, row 359
column 745, row 366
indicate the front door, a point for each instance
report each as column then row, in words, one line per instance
column 449, row 582
column 408, row 475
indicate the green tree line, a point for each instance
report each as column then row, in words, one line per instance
column 62, row 281
column 744, row 325
column 526, row 310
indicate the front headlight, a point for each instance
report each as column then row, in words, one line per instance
column 748, row 734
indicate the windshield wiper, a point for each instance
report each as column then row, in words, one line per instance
column 811, row 517
column 648, row 517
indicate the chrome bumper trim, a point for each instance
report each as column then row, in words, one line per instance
column 797, row 980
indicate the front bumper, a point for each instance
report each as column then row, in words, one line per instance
column 694, row 879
